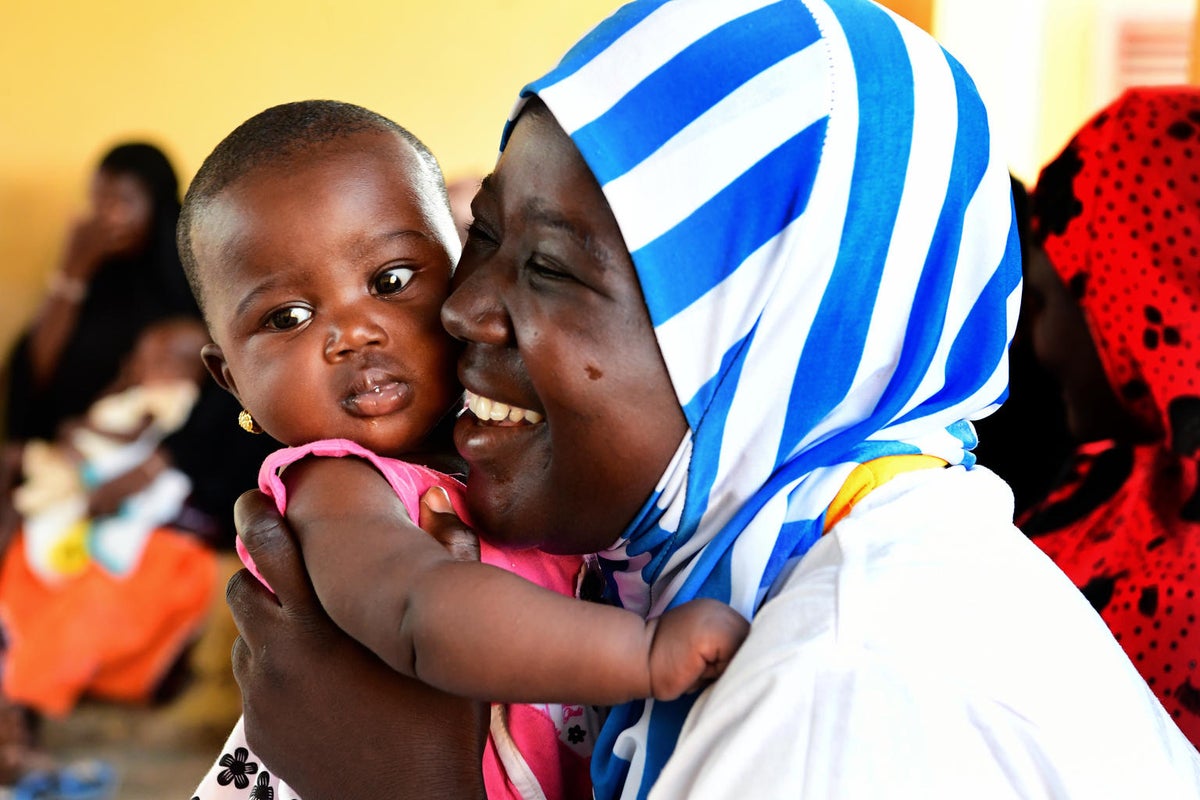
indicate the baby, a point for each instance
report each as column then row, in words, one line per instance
column 319, row 243
column 99, row 489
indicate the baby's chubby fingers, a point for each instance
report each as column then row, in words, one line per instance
column 692, row 645
column 722, row 632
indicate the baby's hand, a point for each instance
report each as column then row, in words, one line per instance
column 692, row 645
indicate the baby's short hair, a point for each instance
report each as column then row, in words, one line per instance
column 276, row 136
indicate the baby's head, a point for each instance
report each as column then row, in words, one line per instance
column 168, row 351
column 318, row 240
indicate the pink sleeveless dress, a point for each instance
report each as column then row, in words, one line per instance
column 533, row 751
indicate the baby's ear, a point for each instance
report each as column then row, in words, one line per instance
column 218, row 367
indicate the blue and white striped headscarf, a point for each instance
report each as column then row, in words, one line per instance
column 821, row 224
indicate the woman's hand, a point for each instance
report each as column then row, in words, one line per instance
column 323, row 712
column 92, row 241
column 107, row 498
column 438, row 519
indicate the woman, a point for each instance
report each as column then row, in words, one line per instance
column 119, row 270
column 115, row 636
column 1115, row 287
column 1032, row 419
column 119, row 273
column 737, row 257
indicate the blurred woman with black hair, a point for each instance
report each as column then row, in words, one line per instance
column 101, row 634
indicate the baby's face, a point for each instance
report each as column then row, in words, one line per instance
column 167, row 352
column 324, row 281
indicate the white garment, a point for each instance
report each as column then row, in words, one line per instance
column 925, row 649
column 60, row 537
column 238, row 773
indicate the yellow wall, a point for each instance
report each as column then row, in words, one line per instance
column 80, row 76
column 1196, row 47
column 1071, row 90
column 77, row 77
column 1068, row 96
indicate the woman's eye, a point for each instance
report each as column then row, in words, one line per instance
column 541, row 269
column 392, row 280
column 477, row 233
column 288, row 318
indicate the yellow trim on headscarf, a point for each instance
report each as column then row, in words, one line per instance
column 870, row 475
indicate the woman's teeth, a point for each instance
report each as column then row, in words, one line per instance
column 488, row 409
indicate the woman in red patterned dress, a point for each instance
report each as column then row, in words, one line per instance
column 1115, row 290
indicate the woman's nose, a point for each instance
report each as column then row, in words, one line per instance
column 350, row 336
column 476, row 309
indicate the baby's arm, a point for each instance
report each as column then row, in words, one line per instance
column 476, row 630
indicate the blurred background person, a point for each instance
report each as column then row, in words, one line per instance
column 118, row 278
column 1114, row 288
column 1026, row 440
column 120, row 272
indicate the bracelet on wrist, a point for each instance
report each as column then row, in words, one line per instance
column 73, row 290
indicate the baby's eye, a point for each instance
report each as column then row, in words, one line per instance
column 288, row 318
column 392, row 280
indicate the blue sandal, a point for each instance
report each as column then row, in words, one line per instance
column 90, row 779
column 36, row 785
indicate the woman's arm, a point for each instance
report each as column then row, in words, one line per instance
column 107, row 498
column 477, row 630
column 88, row 245
column 321, row 710
column 10, row 476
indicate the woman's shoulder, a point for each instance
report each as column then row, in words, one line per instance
column 924, row 632
column 926, row 569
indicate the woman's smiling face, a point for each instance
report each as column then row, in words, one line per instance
column 556, row 332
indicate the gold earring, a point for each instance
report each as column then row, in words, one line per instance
column 247, row 423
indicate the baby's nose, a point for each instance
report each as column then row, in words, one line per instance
column 353, row 336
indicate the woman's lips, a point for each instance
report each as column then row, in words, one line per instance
column 377, row 398
column 493, row 412
column 490, row 433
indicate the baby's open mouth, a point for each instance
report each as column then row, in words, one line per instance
column 493, row 412
column 377, row 394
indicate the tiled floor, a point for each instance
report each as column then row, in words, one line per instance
column 152, row 760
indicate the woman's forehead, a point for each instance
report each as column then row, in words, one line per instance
column 542, row 175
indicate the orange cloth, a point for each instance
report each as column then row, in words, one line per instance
column 96, row 634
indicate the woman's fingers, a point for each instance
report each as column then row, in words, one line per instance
column 439, row 521
column 381, row 734
column 271, row 544
column 249, row 601
column 239, row 658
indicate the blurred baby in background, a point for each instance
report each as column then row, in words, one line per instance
column 98, row 490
